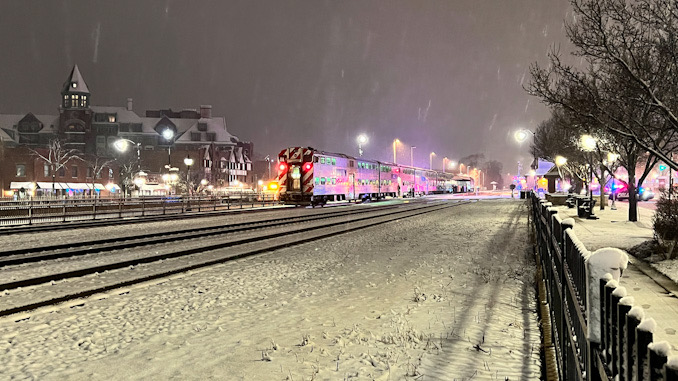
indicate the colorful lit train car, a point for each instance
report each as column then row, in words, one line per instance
column 309, row 176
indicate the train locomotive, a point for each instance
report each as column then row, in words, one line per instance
column 307, row 176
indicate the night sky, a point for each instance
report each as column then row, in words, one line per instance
column 445, row 76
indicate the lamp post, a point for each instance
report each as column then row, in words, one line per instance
column 445, row 159
column 430, row 160
column 521, row 136
column 122, row 144
column 168, row 134
column 461, row 165
column 362, row 139
column 395, row 158
column 588, row 144
column 189, row 162
column 560, row 162
column 412, row 155
column 268, row 160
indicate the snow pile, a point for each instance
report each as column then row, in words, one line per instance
column 672, row 362
column 619, row 292
column 662, row 348
column 637, row 312
column 647, row 325
column 612, row 283
column 626, row 301
column 599, row 263
column 567, row 223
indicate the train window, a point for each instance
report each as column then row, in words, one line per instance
column 334, row 181
column 351, row 163
column 317, row 180
column 322, row 160
column 315, row 159
column 322, row 181
column 334, row 161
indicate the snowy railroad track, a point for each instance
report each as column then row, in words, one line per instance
column 72, row 249
column 54, row 288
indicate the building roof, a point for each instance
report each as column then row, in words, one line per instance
column 544, row 166
column 123, row 114
column 75, row 78
column 9, row 122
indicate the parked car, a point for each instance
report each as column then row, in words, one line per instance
column 642, row 194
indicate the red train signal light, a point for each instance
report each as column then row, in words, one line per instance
column 282, row 167
column 307, row 166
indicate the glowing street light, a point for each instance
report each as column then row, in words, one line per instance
column 522, row 135
column 188, row 161
column 396, row 141
column 588, row 143
column 362, row 139
column 560, row 161
column 412, row 155
column 430, row 160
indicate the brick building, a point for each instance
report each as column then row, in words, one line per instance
column 153, row 163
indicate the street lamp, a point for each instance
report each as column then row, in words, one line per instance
column 168, row 134
column 122, row 144
column 412, row 155
column 445, row 159
column 396, row 141
column 362, row 139
column 430, row 160
column 588, row 144
column 461, row 166
column 188, row 161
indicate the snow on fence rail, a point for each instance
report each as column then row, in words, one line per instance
column 29, row 212
column 597, row 332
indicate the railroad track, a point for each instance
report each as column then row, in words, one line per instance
column 71, row 249
column 31, row 292
column 58, row 224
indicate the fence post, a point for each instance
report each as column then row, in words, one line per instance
column 610, row 287
column 624, row 307
column 143, row 207
column 120, row 202
column 598, row 264
column 94, row 209
column 657, row 354
column 643, row 339
column 64, row 211
column 30, row 212
column 618, row 293
column 633, row 318
column 228, row 202
column 671, row 369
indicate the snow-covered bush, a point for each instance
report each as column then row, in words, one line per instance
column 665, row 223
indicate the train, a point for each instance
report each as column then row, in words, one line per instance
column 307, row 176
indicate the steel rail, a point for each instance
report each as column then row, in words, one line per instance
column 163, row 274
column 71, row 249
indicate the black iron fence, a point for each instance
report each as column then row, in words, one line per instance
column 625, row 350
column 34, row 211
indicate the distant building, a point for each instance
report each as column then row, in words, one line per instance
column 164, row 138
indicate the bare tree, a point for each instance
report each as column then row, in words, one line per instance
column 56, row 157
column 96, row 164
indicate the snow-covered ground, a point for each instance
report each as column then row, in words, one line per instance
column 448, row 295
column 613, row 229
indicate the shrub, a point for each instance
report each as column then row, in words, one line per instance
column 665, row 222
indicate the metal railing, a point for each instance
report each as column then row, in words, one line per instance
column 623, row 352
column 35, row 211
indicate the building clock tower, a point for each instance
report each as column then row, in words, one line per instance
column 75, row 114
